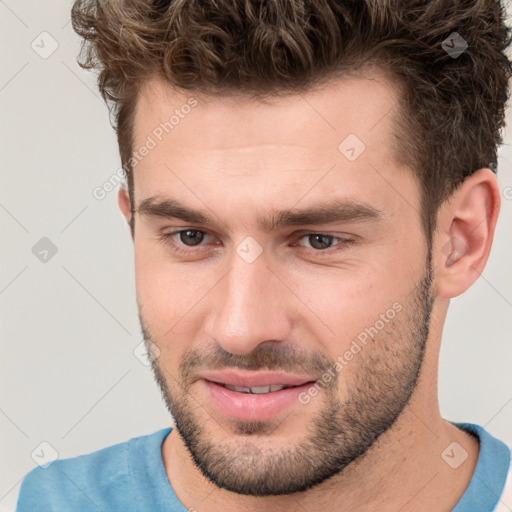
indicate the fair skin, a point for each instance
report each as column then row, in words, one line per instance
column 237, row 160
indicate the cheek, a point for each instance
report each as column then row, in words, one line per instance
column 338, row 304
column 329, row 306
column 169, row 296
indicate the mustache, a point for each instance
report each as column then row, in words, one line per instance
column 270, row 356
column 266, row 356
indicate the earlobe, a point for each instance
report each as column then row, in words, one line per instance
column 466, row 224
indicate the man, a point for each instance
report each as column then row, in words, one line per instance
column 309, row 183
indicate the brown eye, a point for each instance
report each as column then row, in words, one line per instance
column 321, row 244
column 186, row 242
column 191, row 237
column 320, row 241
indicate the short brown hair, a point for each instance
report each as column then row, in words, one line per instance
column 452, row 108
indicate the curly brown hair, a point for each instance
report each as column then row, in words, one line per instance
column 451, row 108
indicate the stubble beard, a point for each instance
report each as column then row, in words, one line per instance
column 341, row 432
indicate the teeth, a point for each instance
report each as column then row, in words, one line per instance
column 238, row 388
column 256, row 390
column 277, row 387
column 260, row 390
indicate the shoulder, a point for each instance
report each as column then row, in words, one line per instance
column 93, row 481
column 506, row 497
column 491, row 479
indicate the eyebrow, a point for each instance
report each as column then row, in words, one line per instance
column 333, row 211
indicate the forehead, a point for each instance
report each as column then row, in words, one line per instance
column 320, row 117
column 340, row 133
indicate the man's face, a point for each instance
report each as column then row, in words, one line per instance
column 272, row 291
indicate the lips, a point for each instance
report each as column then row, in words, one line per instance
column 253, row 395
column 255, row 378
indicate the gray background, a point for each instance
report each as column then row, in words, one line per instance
column 68, row 375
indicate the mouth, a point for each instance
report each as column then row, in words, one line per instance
column 255, row 381
column 257, row 390
column 253, row 395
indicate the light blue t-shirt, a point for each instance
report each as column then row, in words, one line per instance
column 130, row 477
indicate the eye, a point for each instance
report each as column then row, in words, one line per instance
column 191, row 237
column 320, row 243
column 183, row 241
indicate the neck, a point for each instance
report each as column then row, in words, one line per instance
column 402, row 471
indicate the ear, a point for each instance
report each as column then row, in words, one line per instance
column 465, row 230
column 123, row 200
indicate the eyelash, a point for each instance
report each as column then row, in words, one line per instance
column 166, row 238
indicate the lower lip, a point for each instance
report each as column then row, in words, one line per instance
column 252, row 407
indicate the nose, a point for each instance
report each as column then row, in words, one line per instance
column 249, row 307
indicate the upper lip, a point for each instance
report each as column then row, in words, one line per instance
column 252, row 378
